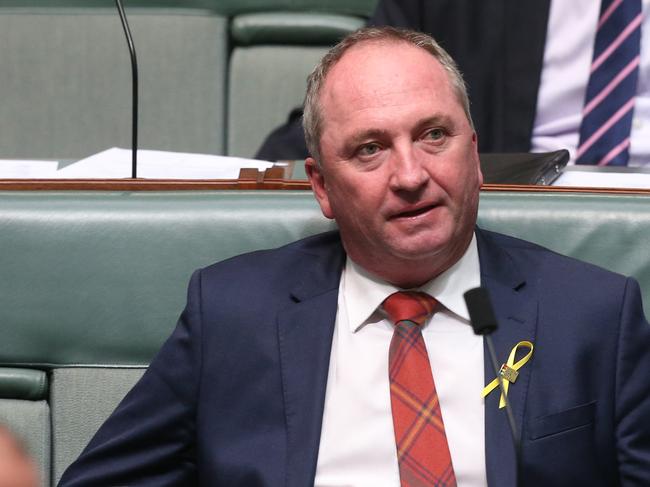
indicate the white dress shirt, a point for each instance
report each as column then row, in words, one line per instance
column 567, row 60
column 357, row 446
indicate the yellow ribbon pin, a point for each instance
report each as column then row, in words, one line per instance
column 509, row 371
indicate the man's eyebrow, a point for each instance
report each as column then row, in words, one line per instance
column 366, row 135
column 438, row 119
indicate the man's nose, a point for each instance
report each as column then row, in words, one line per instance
column 408, row 171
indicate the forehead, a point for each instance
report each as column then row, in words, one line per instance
column 379, row 84
column 383, row 72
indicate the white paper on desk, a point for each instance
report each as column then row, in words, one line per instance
column 17, row 169
column 153, row 164
column 590, row 179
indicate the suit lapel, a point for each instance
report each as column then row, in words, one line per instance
column 515, row 306
column 305, row 331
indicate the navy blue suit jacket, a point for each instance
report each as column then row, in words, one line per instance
column 235, row 396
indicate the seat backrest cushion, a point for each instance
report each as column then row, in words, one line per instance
column 273, row 53
column 65, row 80
column 261, row 96
column 608, row 230
column 81, row 400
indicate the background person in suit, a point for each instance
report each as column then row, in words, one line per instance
column 526, row 65
column 278, row 371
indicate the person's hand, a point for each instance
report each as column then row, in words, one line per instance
column 17, row 469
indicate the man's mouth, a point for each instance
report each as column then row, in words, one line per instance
column 414, row 212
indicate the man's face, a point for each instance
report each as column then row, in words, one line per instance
column 399, row 165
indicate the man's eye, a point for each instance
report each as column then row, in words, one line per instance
column 369, row 149
column 435, row 134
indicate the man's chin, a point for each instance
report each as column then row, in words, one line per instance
column 422, row 246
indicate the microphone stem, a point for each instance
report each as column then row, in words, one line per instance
column 509, row 414
column 134, row 74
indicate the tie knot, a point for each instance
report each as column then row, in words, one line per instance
column 413, row 306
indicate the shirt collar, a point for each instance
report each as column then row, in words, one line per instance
column 364, row 292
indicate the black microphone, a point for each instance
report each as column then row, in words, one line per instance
column 480, row 310
column 484, row 322
column 134, row 74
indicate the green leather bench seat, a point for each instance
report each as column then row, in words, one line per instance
column 273, row 52
column 611, row 231
column 290, row 28
column 30, row 384
column 99, row 278
column 275, row 45
column 349, row 7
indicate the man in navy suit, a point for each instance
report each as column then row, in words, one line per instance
column 277, row 373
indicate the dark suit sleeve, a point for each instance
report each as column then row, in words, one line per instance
column 498, row 46
column 408, row 14
column 632, row 391
column 150, row 438
column 286, row 142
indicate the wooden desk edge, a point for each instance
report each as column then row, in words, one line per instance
column 247, row 184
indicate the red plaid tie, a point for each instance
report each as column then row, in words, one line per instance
column 422, row 450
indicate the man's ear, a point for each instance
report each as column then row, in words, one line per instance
column 478, row 159
column 318, row 186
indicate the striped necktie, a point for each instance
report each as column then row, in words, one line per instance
column 609, row 102
column 422, row 450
